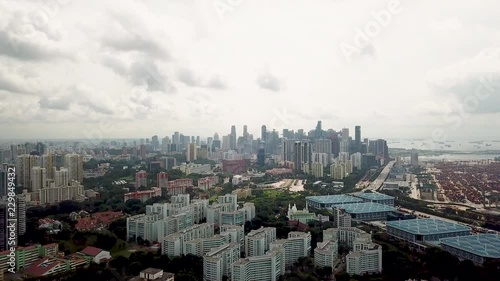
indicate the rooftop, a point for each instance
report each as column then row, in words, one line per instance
column 373, row 196
column 427, row 226
column 484, row 245
column 366, row 207
column 91, row 251
column 334, row 199
column 151, row 270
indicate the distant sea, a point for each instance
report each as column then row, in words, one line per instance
column 451, row 150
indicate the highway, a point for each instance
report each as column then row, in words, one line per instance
column 379, row 181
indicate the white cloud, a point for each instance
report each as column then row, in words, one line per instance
column 154, row 67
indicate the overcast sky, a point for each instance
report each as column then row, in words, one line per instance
column 71, row 69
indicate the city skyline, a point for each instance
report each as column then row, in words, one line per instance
column 192, row 67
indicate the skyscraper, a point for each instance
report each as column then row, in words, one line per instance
column 74, row 164
column 263, row 133
column 216, row 136
column 414, row 158
column 4, row 170
column 38, row 178
column 232, row 140
column 261, row 154
column 191, row 152
column 345, row 134
column 141, row 179
column 357, row 138
column 155, row 142
column 302, row 154
column 319, row 130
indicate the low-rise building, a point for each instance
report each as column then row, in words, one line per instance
column 154, row 274
column 95, row 255
column 303, row 216
column 142, row 195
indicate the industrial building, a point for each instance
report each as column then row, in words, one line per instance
column 376, row 197
column 329, row 201
column 419, row 231
column 477, row 248
column 367, row 211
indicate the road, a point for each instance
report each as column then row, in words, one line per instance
column 377, row 183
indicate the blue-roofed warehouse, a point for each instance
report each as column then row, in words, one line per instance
column 375, row 197
column 329, row 201
column 477, row 248
column 425, row 230
column 367, row 211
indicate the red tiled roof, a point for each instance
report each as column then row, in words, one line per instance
column 91, row 251
column 39, row 269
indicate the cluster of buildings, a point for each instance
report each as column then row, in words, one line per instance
column 97, row 221
column 165, row 186
column 47, row 178
column 183, row 214
column 45, row 260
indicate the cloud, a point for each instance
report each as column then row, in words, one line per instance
column 472, row 85
column 269, row 82
column 56, row 103
column 116, row 65
column 188, row 77
column 216, row 83
column 192, row 79
column 17, row 80
column 141, row 72
column 25, row 34
column 129, row 33
column 146, row 72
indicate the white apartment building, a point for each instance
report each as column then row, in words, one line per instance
column 218, row 261
column 342, row 218
column 326, row 253
column 174, row 244
column 142, row 226
column 61, row 177
column 337, row 171
column 321, row 158
column 258, row 242
column 297, row 245
column 365, row 257
column 201, row 246
column 268, row 267
column 53, row 194
column 38, row 178
column 356, row 160
column 344, row 235
column 236, row 234
column 229, row 199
